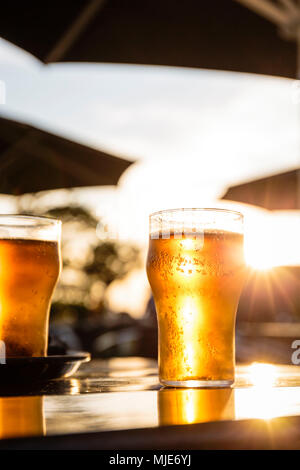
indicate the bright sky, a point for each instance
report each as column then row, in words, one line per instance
column 193, row 132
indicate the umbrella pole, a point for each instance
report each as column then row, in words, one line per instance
column 19, row 205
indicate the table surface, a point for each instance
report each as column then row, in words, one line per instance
column 123, row 394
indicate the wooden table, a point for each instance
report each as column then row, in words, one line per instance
column 119, row 404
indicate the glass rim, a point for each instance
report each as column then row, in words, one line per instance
column 40, row 221
column 198, row 209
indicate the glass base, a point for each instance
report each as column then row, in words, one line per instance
column 197, row 383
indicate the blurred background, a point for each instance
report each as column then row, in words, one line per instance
column 110, row 110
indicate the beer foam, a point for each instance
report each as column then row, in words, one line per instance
column 190, row 233
column 29, row 228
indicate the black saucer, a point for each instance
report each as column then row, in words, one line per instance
column 28, row 370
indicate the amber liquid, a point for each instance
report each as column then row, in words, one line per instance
column 188, row 406
column 196, row 284
column 29, row 271
column 21, row 417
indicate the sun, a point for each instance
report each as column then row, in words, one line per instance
column 259, row 260
column 272, row 239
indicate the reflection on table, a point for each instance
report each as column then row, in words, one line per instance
column 125, row 394
column 188, row 406
column 21, row 416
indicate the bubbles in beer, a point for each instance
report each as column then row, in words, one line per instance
column 196, row 282
column 29, row 270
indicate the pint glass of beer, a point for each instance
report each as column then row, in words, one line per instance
column 196, row 270
column 29, row 270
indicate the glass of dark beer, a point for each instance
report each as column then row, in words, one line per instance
column 30, row 264
column 196, row 270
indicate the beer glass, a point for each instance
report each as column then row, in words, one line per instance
column 196, row 270
column 29, row 270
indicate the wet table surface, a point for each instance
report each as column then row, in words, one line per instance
column 123, row 394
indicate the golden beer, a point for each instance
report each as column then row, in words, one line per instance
column 21, row 417
column 28, row 275
column 189, row 406
column 196, row 279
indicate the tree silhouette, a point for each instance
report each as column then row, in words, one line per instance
column 111, row 261
column 90, row 264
